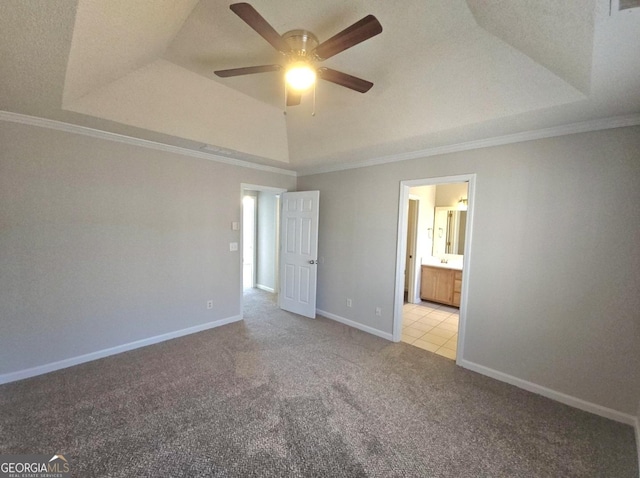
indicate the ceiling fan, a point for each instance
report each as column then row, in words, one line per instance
column 303, row 51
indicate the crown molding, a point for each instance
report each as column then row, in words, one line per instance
column 120, row 138
column 555, row 131
column 563, row 130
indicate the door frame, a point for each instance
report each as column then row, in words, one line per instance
column 411, row 271
column 403, row 214
column 268, row 189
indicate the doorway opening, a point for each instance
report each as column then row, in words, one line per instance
column 433, row 263
column 260, row 241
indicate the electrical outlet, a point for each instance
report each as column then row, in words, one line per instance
column 349, row 302
column 378, row 311
column 209, row 304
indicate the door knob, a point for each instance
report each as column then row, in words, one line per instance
column 313, row 262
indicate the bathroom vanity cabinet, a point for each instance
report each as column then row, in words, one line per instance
column 440, row 284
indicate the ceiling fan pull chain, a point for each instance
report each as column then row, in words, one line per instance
column 284, row 111
column 313, row 113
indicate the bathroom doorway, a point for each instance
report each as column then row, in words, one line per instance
column 433, row 317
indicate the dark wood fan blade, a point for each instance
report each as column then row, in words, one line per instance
column 342, row 79
column 360, row 31
column 248, row 70
column 252, row 18
column 293, row 98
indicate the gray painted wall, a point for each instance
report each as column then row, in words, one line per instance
column 267, row 214
column 555, row 265
column 103, row 244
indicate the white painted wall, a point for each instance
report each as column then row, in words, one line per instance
column 103, row 244
column 266, row 252
column 448, row 195
column 555, row 264
column 427, row 195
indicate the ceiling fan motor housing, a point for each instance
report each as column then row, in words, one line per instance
column 302, row 43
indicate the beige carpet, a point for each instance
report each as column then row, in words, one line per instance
column 281, row 395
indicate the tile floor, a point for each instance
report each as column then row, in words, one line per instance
column 432, row 327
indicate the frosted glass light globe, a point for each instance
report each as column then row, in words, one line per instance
column 300, row 76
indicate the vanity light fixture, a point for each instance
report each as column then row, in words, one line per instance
column 463, row 204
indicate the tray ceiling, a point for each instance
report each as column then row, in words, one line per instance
column 444, row 71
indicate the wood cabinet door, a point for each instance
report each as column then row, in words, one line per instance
column 444, row 286
column 437, row 284
column 457, row 288
column 428, row 283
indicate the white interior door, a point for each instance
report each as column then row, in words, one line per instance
column 299, row 255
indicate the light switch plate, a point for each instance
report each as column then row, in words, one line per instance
column 233, row 246
column 235, row 226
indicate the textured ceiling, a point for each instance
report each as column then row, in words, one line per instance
column 116, row 37
column 445, row 71
column 558, row 35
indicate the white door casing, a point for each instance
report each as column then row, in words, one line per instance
column 299, row 252
column 403, row 212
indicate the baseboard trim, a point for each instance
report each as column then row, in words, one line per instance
column 70, row 362
column 265, row 288
column 552, row 394
column 637, row 427
column 355, row 325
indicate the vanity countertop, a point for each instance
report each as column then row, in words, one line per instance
column 455, row 265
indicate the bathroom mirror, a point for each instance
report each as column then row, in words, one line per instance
column 449, row 226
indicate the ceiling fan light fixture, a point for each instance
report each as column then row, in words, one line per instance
column 300, row 76
column 303, row 51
